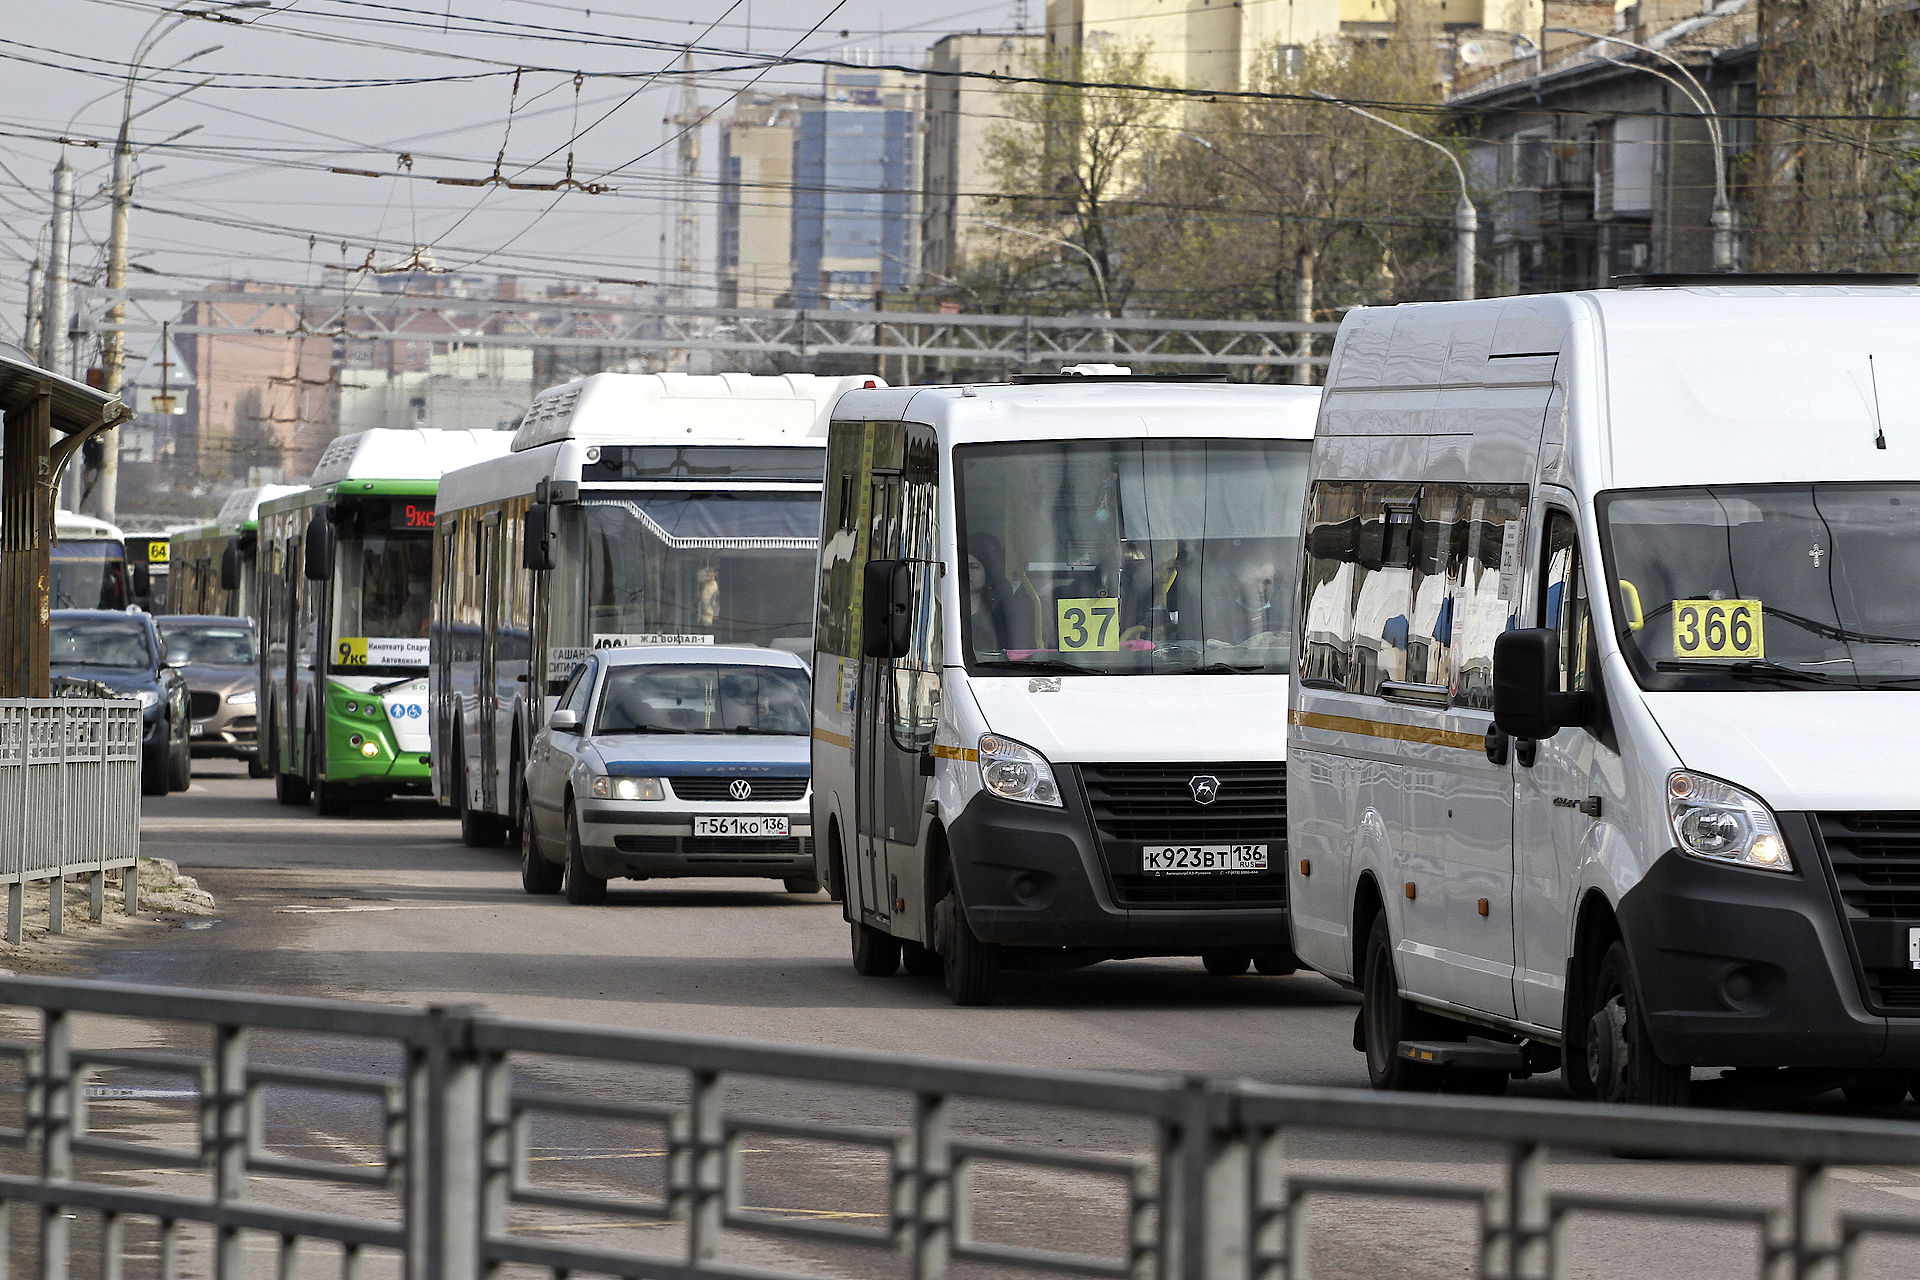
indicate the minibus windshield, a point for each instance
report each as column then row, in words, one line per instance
column 700, row 698
column 1130, row 557
column 1767, row 586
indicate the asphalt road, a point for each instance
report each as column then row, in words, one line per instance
column 387, row 905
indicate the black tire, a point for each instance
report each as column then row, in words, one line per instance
column 332, row 800
column 1876, row 1092
column 801, row 884
column 256, row 767
column 153, row 773
column 1226, row 964
column 180, row 767
column 1276, row 964
column 972, row 967
column 875, row 954
column 290, row 789
column 478, row 830
column 919, row 961
column 538, row 875
column 1386, row 1019
column 1620, row 1062
column 583, row 888
column 1474, row 1083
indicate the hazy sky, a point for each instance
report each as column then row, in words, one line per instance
column 248, row 193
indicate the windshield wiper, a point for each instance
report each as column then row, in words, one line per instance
column 1040, row 664
column 771, row 733
column 1218, row 669
column 641, row 728
column 1754, row 669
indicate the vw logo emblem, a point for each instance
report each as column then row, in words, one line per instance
column 1205, row 788
column 740, row 789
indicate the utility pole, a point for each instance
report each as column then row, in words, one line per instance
column 1303, row 312
column 36, row 300
column 686, row 221
column 53, row 312
column 106, row 490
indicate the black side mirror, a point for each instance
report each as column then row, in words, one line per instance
column 886, row 626
column 230, row 568
column 536, row 540
column 1527, row 702
column 319, row 548
column 142, row 581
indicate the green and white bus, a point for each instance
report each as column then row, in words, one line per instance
column 345, row 573
column 212, row 566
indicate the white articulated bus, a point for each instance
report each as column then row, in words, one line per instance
column 1050, row 672
column 1602, row 751
column 632, row 509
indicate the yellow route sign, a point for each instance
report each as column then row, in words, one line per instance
column 1704, row 629
column 1089, row 625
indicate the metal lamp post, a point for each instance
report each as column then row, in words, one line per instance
column 1099, row 274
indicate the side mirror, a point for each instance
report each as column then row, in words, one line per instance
column 536, row 541
column 142, row 580
column 230, row 568
column 886, row 626
column 564, row 722
column 178, row 657
column 1527, row 702
column 319, row 548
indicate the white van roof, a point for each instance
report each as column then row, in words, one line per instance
column 73, row 525
column 616, row 407
column 417, row 453
column 1697, row 383
column 1094, row 408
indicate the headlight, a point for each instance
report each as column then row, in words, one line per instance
column 149, row 698
column 1015, row 771
column 245, row 698
column 628, row 789
column 1714, row 820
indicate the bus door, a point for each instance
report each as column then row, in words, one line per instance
column 486, row 683
column 900, row 697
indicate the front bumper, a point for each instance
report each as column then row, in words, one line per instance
column 227, row 732
column 642, row 839
column 1033, row 876
column 1755, row 968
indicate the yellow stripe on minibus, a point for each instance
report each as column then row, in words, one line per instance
column 833, row 739
column 955, row 753
column 1387, row 729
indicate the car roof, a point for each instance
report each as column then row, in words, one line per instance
column 729, row 655
column 203, row 620
column 126, row 615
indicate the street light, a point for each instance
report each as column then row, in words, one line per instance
column 113, row 350
column 1099, row 274
column 1466, row 221
column 1721, row 219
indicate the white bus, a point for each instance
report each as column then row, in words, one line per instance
column 89, row 563
column 1050, row 667
column 632, row 509
column 1602, row 755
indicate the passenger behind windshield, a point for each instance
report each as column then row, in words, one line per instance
column 1768, row 585
column 697, row 698
column 101, row 642
column 1131, row 557
column 210, row 646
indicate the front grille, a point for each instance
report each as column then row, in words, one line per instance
column 1876, row 863
column 1137, row 804
column 201, row 704
column 719, row 787
column 718, row 848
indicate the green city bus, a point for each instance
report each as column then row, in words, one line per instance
column 212, row 565
column 345, row 574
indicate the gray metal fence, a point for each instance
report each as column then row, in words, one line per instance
column 69, row 799
column 1201, row 1179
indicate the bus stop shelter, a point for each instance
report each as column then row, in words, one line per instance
column 47, row 419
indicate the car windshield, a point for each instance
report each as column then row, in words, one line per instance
column 209, row 645
column 1768, row 586
column 1130, row 557
column 119, row 643
column 704, row 698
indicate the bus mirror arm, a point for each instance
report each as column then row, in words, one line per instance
column 1527, row 703
column 926, row 764
column 230, row 567
column 536, row 543
column 886, row 613
column 319, row 548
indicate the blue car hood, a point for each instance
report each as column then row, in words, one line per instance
column 113, row 677
column 695, row 754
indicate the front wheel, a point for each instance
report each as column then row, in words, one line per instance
column 972, row 966
column 180, row 767
column 919, row 961
column 583, row 888
column 1386, row 1019
column 256, row 767
column 153, row 773
column 330, row 799
column 1621, row 1064
column 537, row 875
column 801, row 884
column 875, row 954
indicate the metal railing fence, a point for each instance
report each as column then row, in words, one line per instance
column 69, row 799
column 1210, row 1185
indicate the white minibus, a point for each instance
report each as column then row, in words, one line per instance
column 1050, row 666
column 1601, row 754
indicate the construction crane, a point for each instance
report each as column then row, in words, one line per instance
column 686, row 222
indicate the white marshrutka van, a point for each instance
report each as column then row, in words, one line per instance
column 1602, row 750
column 1050, row 672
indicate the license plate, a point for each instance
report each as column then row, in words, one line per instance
column 764, row 828
column 1202, row 859
column 1913, row 947
column 199, row 728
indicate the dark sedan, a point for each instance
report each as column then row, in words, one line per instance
column 122, row 651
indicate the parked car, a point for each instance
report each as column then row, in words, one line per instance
column 219, row 656
column 122, row 651
column 671, row 760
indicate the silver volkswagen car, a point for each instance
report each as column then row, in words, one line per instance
column 671, row 760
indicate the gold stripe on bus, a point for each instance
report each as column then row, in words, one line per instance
column 833, row 739
column 1387, row 729
column 955, row 753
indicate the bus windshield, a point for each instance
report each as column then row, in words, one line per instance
column 383, row 582
column 701, row 568
column 1130, row 557
column 89, row 573
column 1786, row 586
